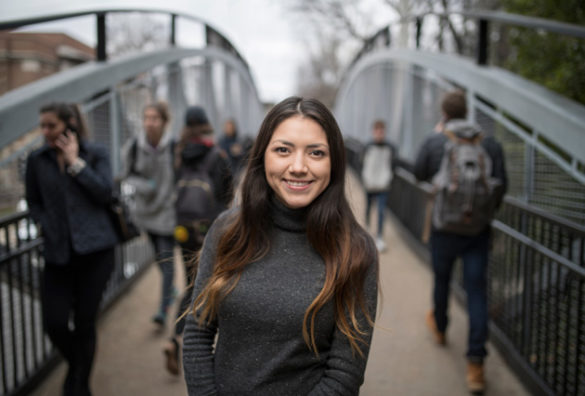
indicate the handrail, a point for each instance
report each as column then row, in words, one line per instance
column 549, row 217
column 100, row 14
column 87, row 79
column 482, row 17
column 16, row 23
column 568, row 29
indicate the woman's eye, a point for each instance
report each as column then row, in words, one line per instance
column 281, row 150
column 318, row 153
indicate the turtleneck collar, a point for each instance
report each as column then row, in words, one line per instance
column 288, row 219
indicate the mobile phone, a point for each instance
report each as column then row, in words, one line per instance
column 71, row 128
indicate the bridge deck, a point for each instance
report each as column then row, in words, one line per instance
column 403, row 359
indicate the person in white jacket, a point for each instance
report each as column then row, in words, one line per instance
column 377, row 176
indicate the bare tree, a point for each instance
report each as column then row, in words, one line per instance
column 321, row 75
column 335, row 23
column 342, row 16
column 133, row 32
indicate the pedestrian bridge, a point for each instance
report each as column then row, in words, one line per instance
column 536, row 276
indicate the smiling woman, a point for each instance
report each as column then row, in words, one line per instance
column 287, row 281
column 297, row 162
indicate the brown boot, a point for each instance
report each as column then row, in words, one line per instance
column 171, row 352
column 475, row 379
column 432, row 325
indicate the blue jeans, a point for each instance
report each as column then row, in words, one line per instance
column 381, row 198
column 163, row 249
column 473, row 250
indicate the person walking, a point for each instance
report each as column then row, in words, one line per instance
column 230, row 143
column 288, row 280
column 377, row 172
column 68, row 186
column 204, row 185
column 147, row 165
column 472, row 247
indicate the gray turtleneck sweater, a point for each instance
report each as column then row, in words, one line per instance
column 260, row 349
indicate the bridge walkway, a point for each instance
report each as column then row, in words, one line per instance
column 403, row 360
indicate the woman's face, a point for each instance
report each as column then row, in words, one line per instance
column 51, row 127
column 229, row 128
column 297, row 162
column 153, row 125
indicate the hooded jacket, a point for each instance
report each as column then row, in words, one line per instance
column 150, row 172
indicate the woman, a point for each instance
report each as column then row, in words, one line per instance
column 148, row 167
column 70, row 179
column 289, row 279
column 231, row 145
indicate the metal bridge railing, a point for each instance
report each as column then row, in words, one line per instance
column 26, row 354
column 536, row 284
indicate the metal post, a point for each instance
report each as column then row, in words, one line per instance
column 101, row 54
column 228, row 105
column 529, row 167
column 173, row 38
column 483, row 42
column 115, row 139
column 419, row 22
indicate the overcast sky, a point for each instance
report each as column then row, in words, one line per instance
column 259, row 29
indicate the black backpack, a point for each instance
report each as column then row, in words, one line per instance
column 466, row 193
column 196, row 206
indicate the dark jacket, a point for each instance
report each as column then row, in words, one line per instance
column 428, row 160
column 234, row 150
column 194, row 153
column 71, row 210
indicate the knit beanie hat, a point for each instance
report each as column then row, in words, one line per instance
column 195, row 115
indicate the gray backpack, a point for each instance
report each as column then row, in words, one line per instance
column 466, row 193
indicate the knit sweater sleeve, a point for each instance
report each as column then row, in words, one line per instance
column 198, row 352
column 344, row 373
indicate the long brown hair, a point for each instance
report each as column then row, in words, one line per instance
column 331, row 229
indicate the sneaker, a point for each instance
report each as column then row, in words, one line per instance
column 439, row 336
column 475, row 378
column 380, row 244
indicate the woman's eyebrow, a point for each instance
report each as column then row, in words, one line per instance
column 317, row 145
column 285, row 142
column 311, row 146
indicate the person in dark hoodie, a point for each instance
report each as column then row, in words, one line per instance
column 204, row 189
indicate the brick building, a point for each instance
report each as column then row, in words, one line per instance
column 26, row 57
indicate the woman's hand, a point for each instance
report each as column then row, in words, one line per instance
column 69, row 146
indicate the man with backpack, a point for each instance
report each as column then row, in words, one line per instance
column 204, row 189
column 468, row 172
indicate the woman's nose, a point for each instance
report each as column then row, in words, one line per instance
column 298, row 164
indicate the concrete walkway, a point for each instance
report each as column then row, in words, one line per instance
column 403, row 359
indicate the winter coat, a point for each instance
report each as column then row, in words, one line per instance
column 150, row 171
column 71, row 210
column 377, row 166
